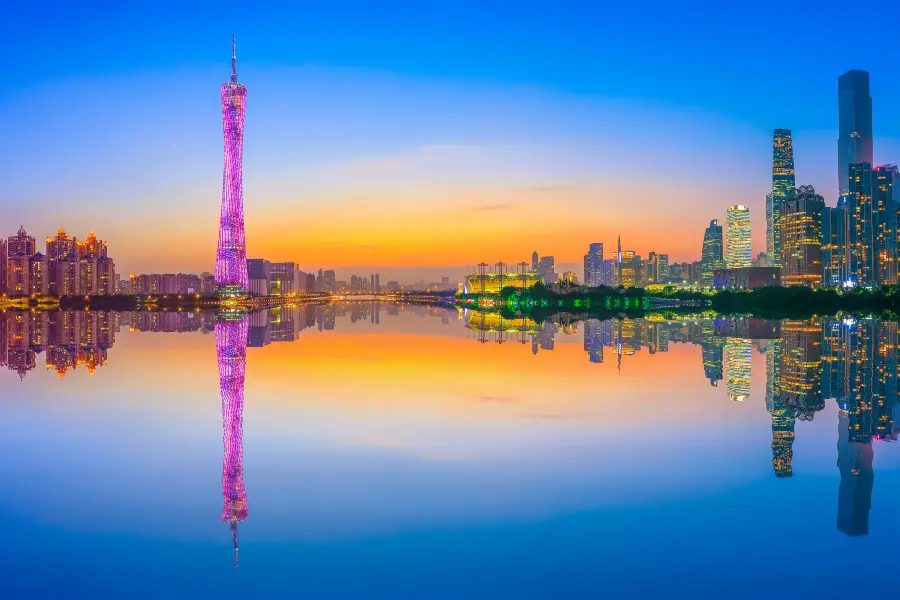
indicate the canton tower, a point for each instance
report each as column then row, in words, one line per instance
column 231, row 257
column 231, row 351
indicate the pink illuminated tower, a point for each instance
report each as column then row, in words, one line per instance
column 231, row 258
column 231, row 351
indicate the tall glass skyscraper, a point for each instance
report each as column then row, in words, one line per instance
column 861, row 230
column 885, row 204
column 783, row 183
column 593, row 265
column 854, row 124
column 737, row 237
column 835, row 251
column 711, row 255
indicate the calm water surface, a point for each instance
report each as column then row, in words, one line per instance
column 385, row 451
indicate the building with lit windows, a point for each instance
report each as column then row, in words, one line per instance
column 737, row 237
column 593, row 265
column 711, row 255
column 15, row 263
column 862, row 255
column 68, row 276
column 885, row 204
column 783, row 183
column 21, row 243
column 492, row 283
column 547, row 270
column 37, row 274
column 657, row 268
column 629, row 269
column 801, row 238
column 835, row 231
column 17, row 275
column 59, row 248
column 107, row 283
column 855, row 141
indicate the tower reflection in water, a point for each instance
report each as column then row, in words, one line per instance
column 231, row 351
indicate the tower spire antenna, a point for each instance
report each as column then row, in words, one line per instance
column 233, row 61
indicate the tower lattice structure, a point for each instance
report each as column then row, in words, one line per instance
column 231, row 351
column 231, row 257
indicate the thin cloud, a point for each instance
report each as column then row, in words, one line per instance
column 553, row 188
column 495, row 207
column 486, row 398
column 548, row 416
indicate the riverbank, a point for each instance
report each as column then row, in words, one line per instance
column 770, row 302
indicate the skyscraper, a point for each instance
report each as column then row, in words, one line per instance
column 737, row 237
column 885, row 204
column 835, row 259
column 593, row 272
column 854, row 124
column 783, row 183
column 60, row 249
column 231, row 257
column 711, row 254
column 658, row 268
column 801, row 238
column 861, row 239
column 619, row 260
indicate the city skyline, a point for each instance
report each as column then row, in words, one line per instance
column 353, row 206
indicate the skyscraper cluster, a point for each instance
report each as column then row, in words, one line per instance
column 854, row 242
column 68, row 267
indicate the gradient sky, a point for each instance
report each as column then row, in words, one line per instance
column 389, row 135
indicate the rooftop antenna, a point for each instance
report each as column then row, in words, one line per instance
column 233, row 61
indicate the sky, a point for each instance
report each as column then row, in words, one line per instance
column 416, row 139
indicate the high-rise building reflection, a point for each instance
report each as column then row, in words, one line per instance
column 712, row 350
column 231, row 352
column 737, row 368
column 857, row 479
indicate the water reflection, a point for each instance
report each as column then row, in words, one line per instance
column 851, row 361
column 807, row 364
column 231, row 351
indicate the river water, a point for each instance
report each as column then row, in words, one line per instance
column 375, row 450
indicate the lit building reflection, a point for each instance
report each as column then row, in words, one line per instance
column 865, row 352
column 712, row 353
column 737, row 368
column 231, row 352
